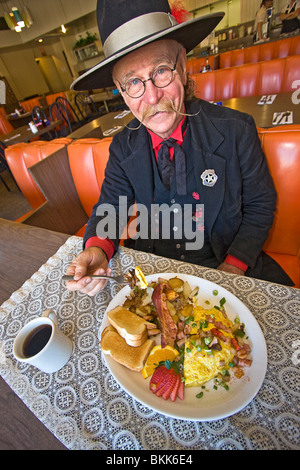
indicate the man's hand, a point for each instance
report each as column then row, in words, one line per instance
column 229, row 268
column 91, row 261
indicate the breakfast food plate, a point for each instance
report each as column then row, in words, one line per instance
column 213, row 404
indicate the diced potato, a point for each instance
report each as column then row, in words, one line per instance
column 194, row 293
column 186, row 290
column 171, row 294
column 187, row 310
column 176, row 284
column 142, row 311
column 171, row 308
column 146, row 300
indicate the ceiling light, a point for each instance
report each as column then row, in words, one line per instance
column 18, row 17
column 63, row 28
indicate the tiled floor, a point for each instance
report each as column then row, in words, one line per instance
column 12, row 203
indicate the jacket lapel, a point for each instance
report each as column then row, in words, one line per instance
column 138, row 166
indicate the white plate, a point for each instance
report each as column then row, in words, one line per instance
column 215, row 404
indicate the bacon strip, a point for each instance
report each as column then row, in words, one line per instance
column 167, row 324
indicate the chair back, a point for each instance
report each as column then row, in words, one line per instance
column 58, row 112
column 86, row 106
column 38, row 115
column 73, row 116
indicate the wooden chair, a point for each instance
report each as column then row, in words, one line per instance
column 86, row 107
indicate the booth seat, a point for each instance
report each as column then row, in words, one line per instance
column 270, row 77
column 71, row 181
column 22, row 156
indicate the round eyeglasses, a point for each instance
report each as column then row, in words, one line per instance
column 160, row 77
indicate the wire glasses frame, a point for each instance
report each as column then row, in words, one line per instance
column 161, row 77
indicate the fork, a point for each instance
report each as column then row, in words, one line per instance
column 120, row 279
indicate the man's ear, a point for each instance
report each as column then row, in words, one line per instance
column 181, row 67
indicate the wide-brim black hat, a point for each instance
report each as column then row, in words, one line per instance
column 127, row 25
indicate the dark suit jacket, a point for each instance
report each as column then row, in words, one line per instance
column 238, row 209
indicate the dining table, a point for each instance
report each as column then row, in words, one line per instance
column 268, row 110
column 19, row 120
column 24, row 133
column 85, row 405
column 104, row 97
column 103, row 126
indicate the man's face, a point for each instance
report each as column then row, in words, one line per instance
column 150, row 107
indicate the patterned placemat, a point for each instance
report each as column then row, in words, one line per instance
column 84, row 406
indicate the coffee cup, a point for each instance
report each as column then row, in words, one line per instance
column 42, row 344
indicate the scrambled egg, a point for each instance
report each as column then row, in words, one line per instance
column 201, row 363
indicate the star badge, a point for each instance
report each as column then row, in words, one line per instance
column 209, row 178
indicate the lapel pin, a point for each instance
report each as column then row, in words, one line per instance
column 209, row 178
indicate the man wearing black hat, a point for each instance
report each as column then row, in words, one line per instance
column 178, row 153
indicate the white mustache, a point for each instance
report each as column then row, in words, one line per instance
column 164, row 106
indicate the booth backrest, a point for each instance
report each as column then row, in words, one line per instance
column 51, row 98
column 87, row 159
column 22, row 156
column 260, row 52
column 5, row 125
column 249, row 55
column 282, row 149
column 28, row 105
column 273, row 76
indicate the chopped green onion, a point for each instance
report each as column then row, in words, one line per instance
column 199, row 395
column 240, row 333
column 215, row 292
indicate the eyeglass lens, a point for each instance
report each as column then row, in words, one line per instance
column 161, row 77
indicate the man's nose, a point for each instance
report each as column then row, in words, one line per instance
column 152, row 93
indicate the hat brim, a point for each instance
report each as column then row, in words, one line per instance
column 189, row 34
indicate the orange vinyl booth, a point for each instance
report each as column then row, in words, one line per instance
column 254, row 79
column 72, row 177
column 282, row 149
column 5, row 126
column 22, row 156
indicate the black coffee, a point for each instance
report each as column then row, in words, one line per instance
column 36, row 340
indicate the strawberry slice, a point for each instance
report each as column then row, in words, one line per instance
column 180, row 393
column 173, row 394
column 167, row 391
column 166, row 382
column 157, row 375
